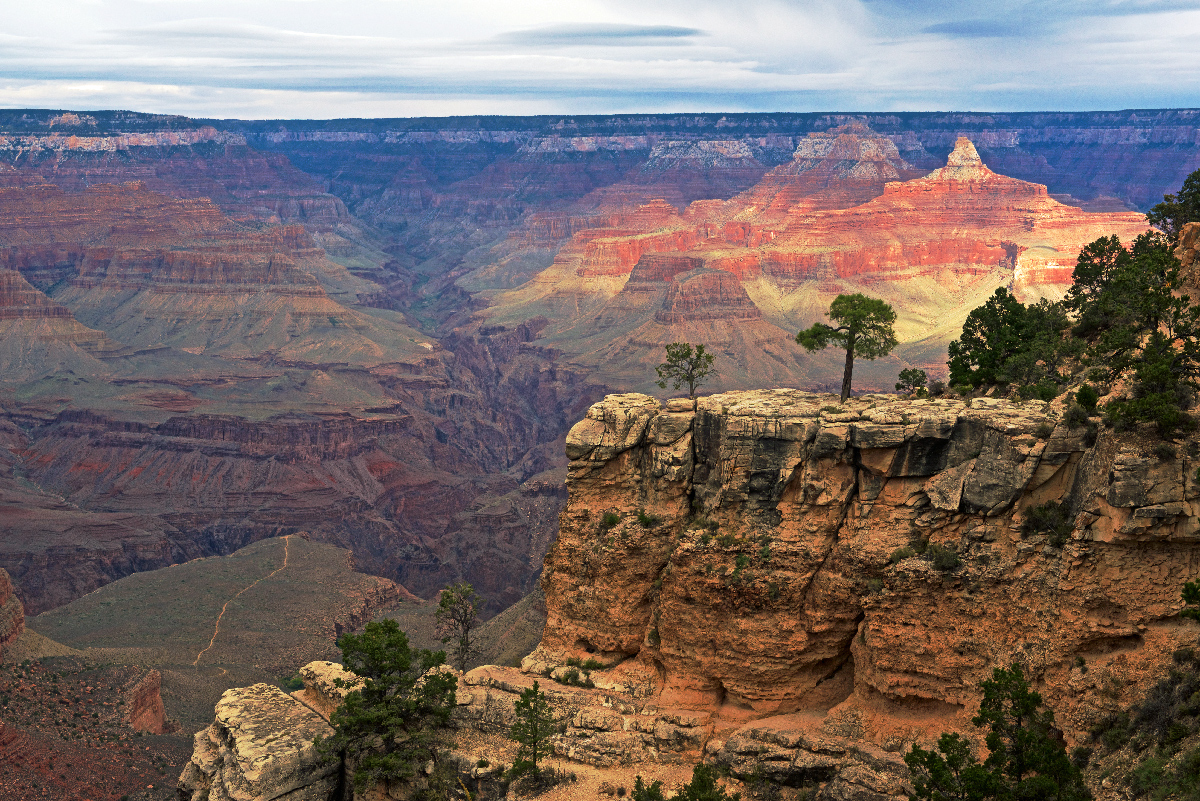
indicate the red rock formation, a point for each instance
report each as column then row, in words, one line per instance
column 705, row 294
column 771, row 583
column 12, row 615
column 144, row 709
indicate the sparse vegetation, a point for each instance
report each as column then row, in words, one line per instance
column 609, row 521
column 942, row 558
column 685, row 366
column 1052, row 519
column 647, row 520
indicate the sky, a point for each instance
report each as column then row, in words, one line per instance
column 257, row 59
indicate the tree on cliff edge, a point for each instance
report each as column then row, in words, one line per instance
column 386, row 730
column 457, row 617
column 865, row 330
column 685, row 365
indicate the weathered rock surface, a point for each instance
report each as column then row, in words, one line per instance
column 144, row 708
column 754, row 568
column 12, row 613
column 259, row 748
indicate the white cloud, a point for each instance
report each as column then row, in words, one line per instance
column 294, row 58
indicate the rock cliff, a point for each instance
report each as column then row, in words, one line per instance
column 758, row 558
column 12, row 613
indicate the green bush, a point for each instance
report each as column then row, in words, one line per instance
column 646, row 520
column 1164, row 450
column 1087, row 397
column 1043, row 431
column 944, row 559
column 1050, row 518
column 1075, row 416
column 704, row 787
column 609, row 521
column 900, row 554
column 652, row 792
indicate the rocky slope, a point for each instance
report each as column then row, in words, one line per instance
column 802, row 590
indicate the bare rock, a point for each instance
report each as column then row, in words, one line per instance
column 259, row 748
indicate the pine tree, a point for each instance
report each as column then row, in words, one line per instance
column 532, row 731
column 457, row 617
column 387, row 728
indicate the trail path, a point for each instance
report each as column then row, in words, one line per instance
column 217, row 628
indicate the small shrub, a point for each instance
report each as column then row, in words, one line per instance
column 292, row 683
column 704, row 787
column 1075, row 416
column 937, row 388
column 875, row 586
column 726, row 540
column 621, row 791
column 1184, row 655
column 573, row 678
column 483, row 763
column 1043, row 431
column 644, row 792
column 609, row 521
column 1045, row 390
column 1050, row 518
column 832, row 409
column 653, row 637
column 773, row 591
column 900, row 554
column 1087, row 397
column 1113, row 731
column 1164, row 450
column 1081, row 756
column 646, row 520
column 944, row 559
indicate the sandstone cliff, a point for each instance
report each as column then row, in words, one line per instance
column 745, row 559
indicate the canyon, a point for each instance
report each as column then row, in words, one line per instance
column 756, row 577
column 215, row 333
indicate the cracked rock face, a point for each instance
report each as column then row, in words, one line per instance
column 259, row 747
column 741, row 555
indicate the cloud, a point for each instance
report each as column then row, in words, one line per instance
column 357, row 57
column 598, row 34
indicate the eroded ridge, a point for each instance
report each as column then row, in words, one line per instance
column 217, row 627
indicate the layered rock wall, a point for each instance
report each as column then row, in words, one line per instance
column 747, row 556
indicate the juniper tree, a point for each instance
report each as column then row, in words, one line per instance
column 685, row 365
column 532, row 731
column 457, row 617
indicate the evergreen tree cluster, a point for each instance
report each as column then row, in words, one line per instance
column 1125, row 314
column 1026, row 759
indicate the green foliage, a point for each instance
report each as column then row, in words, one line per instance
column 1051, row 518
column 1179, row 209
column 704, row 787
column 651, row 792
column 1004, row 342
column 685, row 366
column 1046, row 389
column 1075, row 416
column 532, row 731
column 900, row 554
column 588, row 664
column 388, row 727
column 944, row 559
column 457, row 618
column 609, row 521
column 292, row 683
column 1191, row 597
column 647, row 520
column 1164, row 450
column 865, row 330
column 1087, row 397
column 572, row 677
column 911, row 380
column 1043, row 431
column 1025, row 760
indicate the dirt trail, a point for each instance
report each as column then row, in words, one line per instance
column 217, row 628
